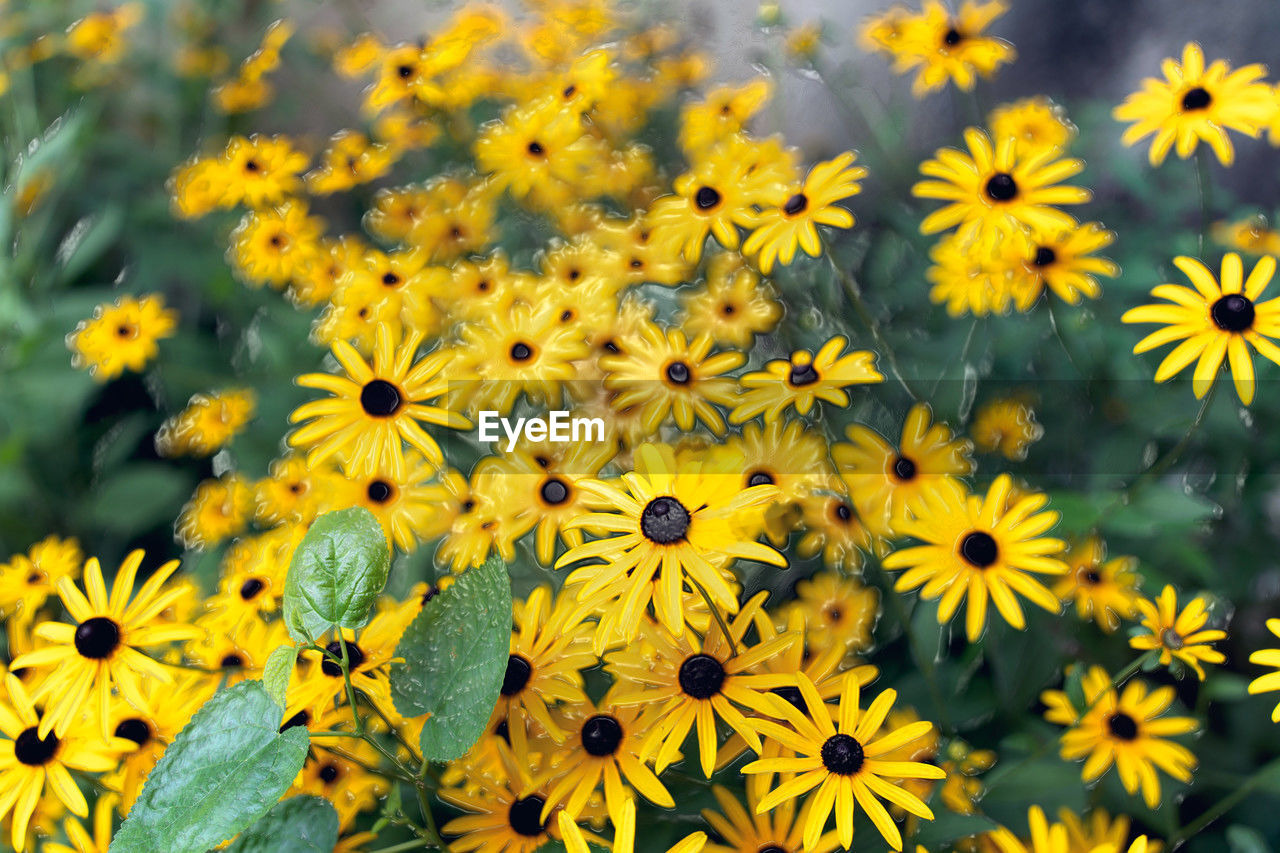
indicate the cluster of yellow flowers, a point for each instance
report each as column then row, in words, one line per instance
column 714, row 449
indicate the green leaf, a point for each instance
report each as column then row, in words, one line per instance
column 86, row 242
column 276, row 672
column 337, row 571
column 455, row 656
column 1243, row 839
column 136, row 497
column 296, row 825
column 223, row 772
column 948, row 826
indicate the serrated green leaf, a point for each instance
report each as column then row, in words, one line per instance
column 296, row 825
column 221, row 774
column 277, row 670
column 455, row 656
column 337, row 571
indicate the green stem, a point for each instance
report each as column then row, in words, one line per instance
column 1057, row 333
column 415, row 844
column 364, row 765
column 926, row 661
column 715, row 611
column 428, row 818
column 1205, row 189
column 345, row 663
column 1224, row 805
column 854, row 292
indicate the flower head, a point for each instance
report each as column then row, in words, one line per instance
column 1178, row 635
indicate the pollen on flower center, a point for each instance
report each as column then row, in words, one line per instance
column 1001, row 187
column 1122, row 726
column 601, row 735
column 701, row 676
column 525, row 816
column 904, row 469
column 1233, row 313
column 664, row 520
column 1196, row 99
column 979, row 549
column 678, row 372
column 134, row 729
column 380, row 398
column 842, row 754
column 706, row 198
column 517, row 675
column 33, row 750
column 355, row 657
column 97, row 638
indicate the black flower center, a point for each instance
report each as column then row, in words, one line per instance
column 796, row 204
column 521, row 351
column 678, row 372
column 251, row 165
column 250, row 588
column 1171, row 639
column 380, row 491
column 380, row 399
column 802, row 374
column 791, row 694
column 404, row 71
column 432, row 592
column 33, row 750
column 302, row 718
column 390, row 279
column 904, row 469
column 97, row 638
column 979, row 549
column 554, row 491
column 952, row 38
column 517, row 676
column 1044, row 256
column 331, row 668
column 1001, row 187
column 664, row 521
column 125, row 330
column 525, row 816
column 1196, row 99
column 842, row 754
column 536, row 149
column 231, row 661
column 1091, row 577
column 706, row 198
column 701, row 676
column 503, row 731
column 328, row 773
column 1233, row 313
column 760, row 478
column 772, row 848
column 134, row 729
column 1123, row 726
column 601, row 735
column 843, row 511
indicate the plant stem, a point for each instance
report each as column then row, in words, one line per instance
column 1224, row 805
column 428, row 818
column 1206, row 193
column 715, row 611
column 1057, row 333
column 415, row 844
column 926, row 661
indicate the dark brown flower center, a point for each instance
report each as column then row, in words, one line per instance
column 760, row 478
column 380, row 491
column 706, row 198
column 535, row 148
column 97, row 638
column 796, row 204
column 1196, row 99
column 521, row 351
column 1044, row 256
column 554, row 491
column 1001, row 187
column 1122, row 726
column 33, row 750
column 380, row 398
column 231, row 661
column 601, row 735
column 518, row 673
column 1233, row 313
column 802, row 374
column 701, row 676
column 331, row 668
column 250, row 588
column 841, row 754
column 664, row 520
column 904, row 469
column 979, row 549
column 525, row 816
column 952, row 37
column 678, row 372
column 134, row 729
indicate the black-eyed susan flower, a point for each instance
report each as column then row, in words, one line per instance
column 376, row 407
column 1103, row 590
column 970, row 274
column 1035, row 122
column 219, row 509
column 840, row 755
column 1271, row 680
column 998, row 185
column 346, row 784
column 981, row 547
column 1007, row 426
column 940, row 46
column 708, row 199
column 693, row 681
column 292, row 491
column 1045, row 837
column 1129, row 730
column 149, row 732
column 668, row 376
column 837, row 612
column 1215, row 321
column 405, row 507
column 83, row 660
column 724, row 112
column 121, row 336
column 833, row 528
column 1088, row 832
column 83, row 840
column 350, row 160
column 790, row 224
column 1194, row 103
column 33, row 764
column 888, row 482
column 624, row 834
column 272, row 245
column 780, row 830
column 673, row 525
column 803, row 379
column 790, row 456
column 1061, row 261
column 1254, row 236
column 261, row 170
column 208, row 423
column 733, row 306
column 28, row 580
column 1175, row 634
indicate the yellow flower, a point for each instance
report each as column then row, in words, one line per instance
column 1195, row 103
column 1125, row 729
column 219, row 509
column 1253, row 236
column 1059, row 260
column 261, row 171
column 1104, row 590
column 724, row 112
column 272, row 245
column 1271, row 680
column 843, row 760
column 838, row 612
column 733, row 306
column 1035, row 122
column 27, row 580
column 780, row 829
column 350, row 160
column 99, row 36
column 1213, row 322
column 790, row 223
column 1178, row 635
column 207, row 424
column 714, row 197
column 1045, row 837
column 940, row 46
column 82, row 661
column 1000, row 185
column 980, row 547
column 376, row 407
column 1007, row 426
column 803, row 379
column 121, row 336
column 624, row 834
